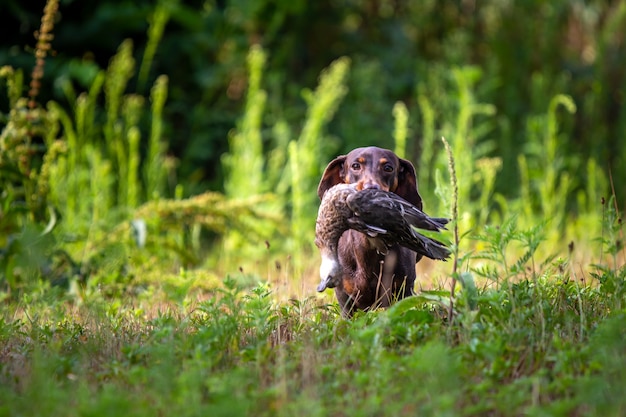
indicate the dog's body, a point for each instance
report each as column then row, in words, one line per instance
column 371, row 279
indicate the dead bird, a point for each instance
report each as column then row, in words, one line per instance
column 384, row 217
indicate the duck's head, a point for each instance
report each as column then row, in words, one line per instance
column 330, row 273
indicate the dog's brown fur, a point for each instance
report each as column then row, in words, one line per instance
column 371, row 279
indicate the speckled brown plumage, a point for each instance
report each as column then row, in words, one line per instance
column 386, row 218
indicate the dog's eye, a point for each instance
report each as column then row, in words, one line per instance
column 388, row 168
column 356, row 166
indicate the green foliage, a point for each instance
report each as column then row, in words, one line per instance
column 397, row 49
column 158, row 20
column 599, row 393
column 497, row 241
column 546, row 181
column 401, row 116
column 515, row 150
column 544, row 347
column 104, row 310
column 112, row 147
column 26, row 218
column 244, row 163
column 612, row 279
column 293, row 166
column 305, row 164
column 156, row 167
column 60, row 194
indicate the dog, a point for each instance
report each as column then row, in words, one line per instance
column 372, row 279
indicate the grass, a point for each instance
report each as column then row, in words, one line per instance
column 552, row 346
column 529, row 336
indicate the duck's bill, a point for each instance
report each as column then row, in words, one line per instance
column 325, row 283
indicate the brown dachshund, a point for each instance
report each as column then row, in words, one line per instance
column 371, row 279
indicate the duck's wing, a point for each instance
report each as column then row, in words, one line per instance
column 391, row 218
column 377, row 206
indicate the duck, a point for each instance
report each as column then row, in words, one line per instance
column 384, row 217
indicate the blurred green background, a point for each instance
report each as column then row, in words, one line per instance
column 524, row 53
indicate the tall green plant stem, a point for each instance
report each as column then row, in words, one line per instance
column 158, row 20
column 246, row 144
column 304, row 155
column 455, row 216
column 401, row 128
column 155, row 160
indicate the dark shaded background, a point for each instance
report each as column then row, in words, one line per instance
column 398, row 48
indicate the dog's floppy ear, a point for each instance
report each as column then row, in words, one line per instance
column 407, row 184
column 333, row 175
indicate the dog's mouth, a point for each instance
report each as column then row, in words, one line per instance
column 370, row 185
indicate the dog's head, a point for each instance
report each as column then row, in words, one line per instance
column 373, row 167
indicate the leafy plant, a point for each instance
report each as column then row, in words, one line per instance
column 294, row 181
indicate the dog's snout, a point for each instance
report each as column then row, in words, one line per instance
column 367, row 185
column 371, row 185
